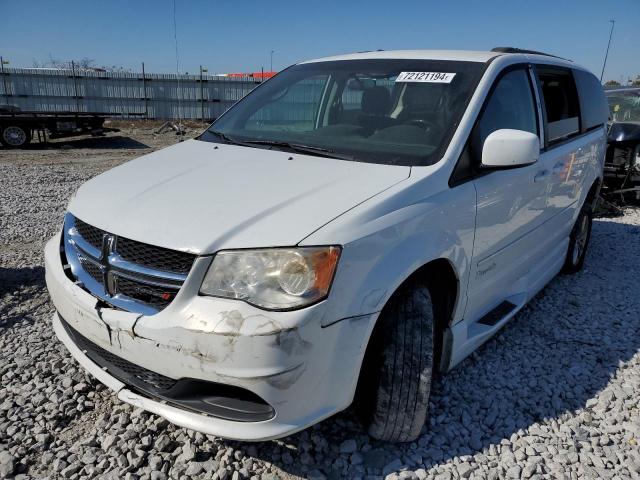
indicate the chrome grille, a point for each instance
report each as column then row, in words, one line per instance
column 91, row 268
column 92, row 235
column 154, row 257
column 128, row 274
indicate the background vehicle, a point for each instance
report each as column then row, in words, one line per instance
column 18, row 127
column 622, row 165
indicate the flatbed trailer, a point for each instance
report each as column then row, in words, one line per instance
column 17, row 127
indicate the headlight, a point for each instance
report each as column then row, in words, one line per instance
column 273, row 278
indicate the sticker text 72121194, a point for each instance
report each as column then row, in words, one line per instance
column 425, row 77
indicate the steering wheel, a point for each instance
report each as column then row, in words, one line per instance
column 427, row 125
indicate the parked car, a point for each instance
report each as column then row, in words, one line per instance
column 351, row 226
column 622, row 164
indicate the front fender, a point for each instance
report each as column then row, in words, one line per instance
column 386, row 249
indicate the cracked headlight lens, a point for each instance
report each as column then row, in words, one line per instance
column 273, row 278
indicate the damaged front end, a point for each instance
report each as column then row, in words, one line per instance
column 622, row 162
column 216, row 365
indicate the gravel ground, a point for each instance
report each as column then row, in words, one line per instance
column 554, row 395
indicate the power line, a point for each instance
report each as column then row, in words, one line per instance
column 604, row 64
column 175, row 39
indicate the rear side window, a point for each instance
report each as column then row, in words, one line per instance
column 593, row 103
column 561, row 103
column 510, row 105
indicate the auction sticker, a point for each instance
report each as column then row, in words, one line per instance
column 425, row 77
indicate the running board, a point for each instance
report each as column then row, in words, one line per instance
column 498, row 313
column 468, row 337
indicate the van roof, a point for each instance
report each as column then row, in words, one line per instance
column 457, row 55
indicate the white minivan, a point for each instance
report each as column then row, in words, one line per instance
column 351, row 226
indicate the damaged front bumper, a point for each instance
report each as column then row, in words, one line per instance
column 213, row 365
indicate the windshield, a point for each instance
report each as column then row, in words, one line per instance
column 400, row 112
column 624, row 105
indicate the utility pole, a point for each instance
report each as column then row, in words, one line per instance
column 4, row 78
column 604, row 64
column 272, row 52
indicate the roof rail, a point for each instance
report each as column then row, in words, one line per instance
column 521, row 50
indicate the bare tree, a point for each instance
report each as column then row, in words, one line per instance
column 85, row 64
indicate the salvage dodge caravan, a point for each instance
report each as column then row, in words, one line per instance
column 350, row 227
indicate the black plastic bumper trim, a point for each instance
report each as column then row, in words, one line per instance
column 227, row 402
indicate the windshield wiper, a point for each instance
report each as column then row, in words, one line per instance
column 226, row 138
column 297, row 147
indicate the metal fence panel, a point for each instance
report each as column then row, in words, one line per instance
column 154, row 96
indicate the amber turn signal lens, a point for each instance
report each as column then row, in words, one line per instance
column 324, row 264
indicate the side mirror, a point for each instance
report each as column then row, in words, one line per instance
column 508, row 148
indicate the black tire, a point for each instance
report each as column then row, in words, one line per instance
column 14, row 136
column 399, row 395
column 579, row 240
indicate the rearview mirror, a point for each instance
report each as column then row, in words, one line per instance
column 360, row 84
column 508, row 148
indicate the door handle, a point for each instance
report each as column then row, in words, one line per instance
column 541, row 175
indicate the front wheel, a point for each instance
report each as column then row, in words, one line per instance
column 14, row 136
column 400, row 392
column 579, row 240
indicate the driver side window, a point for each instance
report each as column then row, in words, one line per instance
column 511, row 105
column 294, row 110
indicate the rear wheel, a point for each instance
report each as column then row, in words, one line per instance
column 399, row 396
column 14, row 136
column 579, row 240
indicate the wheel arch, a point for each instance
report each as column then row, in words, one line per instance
column 440, row 277
column 442, row 280
column 592, row 194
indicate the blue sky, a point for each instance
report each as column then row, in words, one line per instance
column 232, row 36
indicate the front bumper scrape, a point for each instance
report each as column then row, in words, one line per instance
column 216, row 399
column 248, row 431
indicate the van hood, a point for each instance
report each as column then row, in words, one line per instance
column 201, row 197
